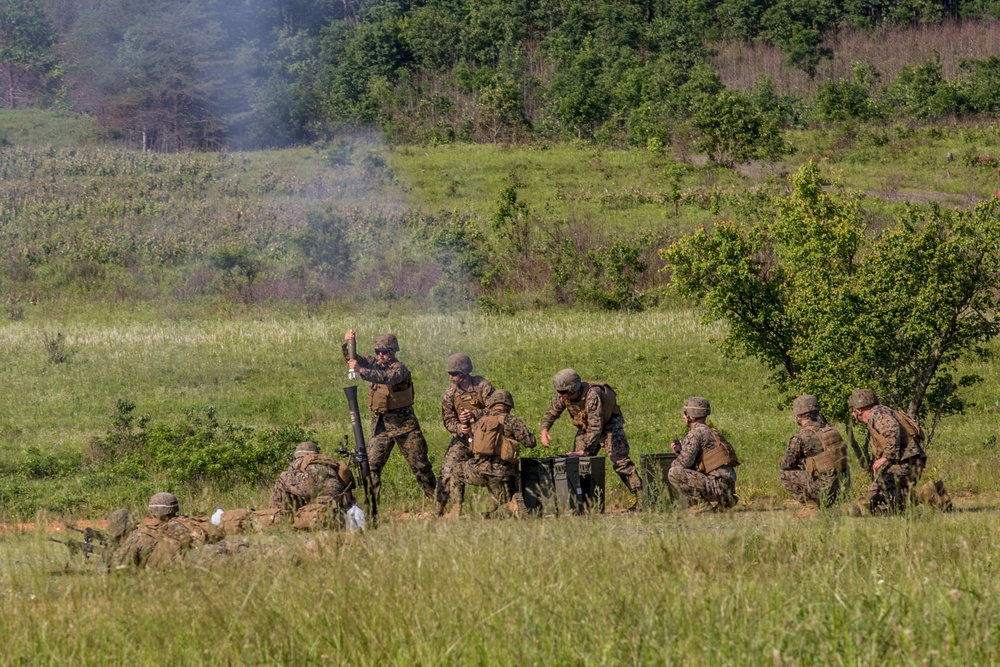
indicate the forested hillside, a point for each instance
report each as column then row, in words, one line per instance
column 182, row 74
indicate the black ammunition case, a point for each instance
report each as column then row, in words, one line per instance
column 564, row 484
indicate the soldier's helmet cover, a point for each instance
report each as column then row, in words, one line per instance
column 120, row 523
column 567, row 381
column 307, row 448
column 805, row 404
column 387, row 341
column 500, row 397
column 697, row 407
column 162, row 504
column 458, row 363
column 862, row 398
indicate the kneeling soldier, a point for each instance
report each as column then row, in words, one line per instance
column 313, row 478
column 814, row 469
column 704, row 468
column 594, row 409
column 496, row 440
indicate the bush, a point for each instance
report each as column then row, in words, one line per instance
column 733, row 130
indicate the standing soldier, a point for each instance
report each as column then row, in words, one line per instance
column 895, row 442
column 390, row 398
column 497, row 437
column 593, row 407
column 704, row 468
column 462, row 404
column 814, row 469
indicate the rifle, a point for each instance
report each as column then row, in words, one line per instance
column 85, row 547
column 864, row 458
column 361, row 455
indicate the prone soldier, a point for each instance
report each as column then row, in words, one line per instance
column 166, row 540
column 704, row 470
column 497, row 437
column 814, row 469
column 593, row 407
column 462, row 404
column 390, row 398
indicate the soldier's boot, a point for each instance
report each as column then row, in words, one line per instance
column 637, row 505
column 517, row 507
column 441, row 496
column 700, row 507
column 728, row 500
column 935, row 495
column 499, row 498
column 455, row 511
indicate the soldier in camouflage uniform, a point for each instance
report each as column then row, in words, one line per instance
column 704, row 470
column 313, row 478
column 163, row 542
column 814, row 469
column 462, row 404
column 895, row 442
column 593, row 407
column 390, row 399
column 496, row 439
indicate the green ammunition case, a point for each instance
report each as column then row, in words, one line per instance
column 658, row 491
column 579, row 484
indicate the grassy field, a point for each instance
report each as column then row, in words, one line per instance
column 748, row 588
column 114, row 287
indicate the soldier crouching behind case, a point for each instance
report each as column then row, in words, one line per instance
column 704, row 468
column 313, row 478
column 814, row 469
column 390, row 399
column 896, row 441
column 496, row 439
column 462, row 404
column 166, row 540
column 593, row 407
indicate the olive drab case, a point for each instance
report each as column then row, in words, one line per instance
column 564, row 484
column 658, row 490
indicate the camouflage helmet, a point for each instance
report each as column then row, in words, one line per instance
column 458, row 363
column 567, row 381
column 306, row 448
column 861, row 399
column 387, row 341
column 121, row 523
column 805, row 404
column 500, row 397
column 697, row 407
column 163, row 504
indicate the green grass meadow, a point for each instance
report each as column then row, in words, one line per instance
column 108, row 292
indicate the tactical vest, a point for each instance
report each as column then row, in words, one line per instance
column 344, row 474
column 382, row 398
column 719, row 454
column 235, row 522
column 833, row 458
column 609, row 405
column 488, row 439
column 907, row 427
column 468, row 400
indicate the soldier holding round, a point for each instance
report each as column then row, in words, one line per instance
column 704, row 470
column 390, row 399
column 313, row 478
column 895, row 442
column 497, row 437
column 814, row 469
column 594, row 409
column 462, row 404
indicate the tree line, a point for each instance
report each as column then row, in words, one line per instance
column 181, row 74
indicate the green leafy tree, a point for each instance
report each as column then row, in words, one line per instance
column 26, row 46
column 829, row 308
column 733, row 130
